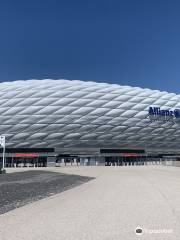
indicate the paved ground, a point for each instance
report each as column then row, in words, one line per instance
column 109, row 207
column 20, row 188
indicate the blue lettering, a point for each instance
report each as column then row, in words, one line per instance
column 163, row 113
column 157, row 111
column 177, row 113
column 167, row 112
column 151, row 111
column 171, row 113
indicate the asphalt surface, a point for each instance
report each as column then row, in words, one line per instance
column 110, row 207
column 20, row 188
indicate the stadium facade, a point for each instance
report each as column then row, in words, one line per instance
column 47, row 121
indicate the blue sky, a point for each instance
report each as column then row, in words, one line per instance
column 131, row 42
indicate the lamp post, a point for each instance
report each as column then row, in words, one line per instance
column 2, row 143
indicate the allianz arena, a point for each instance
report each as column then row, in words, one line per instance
column 48, row 121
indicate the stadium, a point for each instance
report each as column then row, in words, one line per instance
column 49, row 122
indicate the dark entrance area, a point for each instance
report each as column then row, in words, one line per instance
column 124, row 157
column 125, row 160
column 26, row 160
column 26, row 157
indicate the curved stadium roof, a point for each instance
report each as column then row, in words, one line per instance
column 78, row 114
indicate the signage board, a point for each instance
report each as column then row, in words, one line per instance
column 159, row 114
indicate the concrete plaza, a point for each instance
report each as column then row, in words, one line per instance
column 109, row 207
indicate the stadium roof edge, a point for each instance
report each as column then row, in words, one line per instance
column 90, row 82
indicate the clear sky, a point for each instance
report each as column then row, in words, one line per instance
column 131, row 42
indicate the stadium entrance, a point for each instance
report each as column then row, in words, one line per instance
column 124, row 157
column 27, row 157
column 125, row 161
column 26, row 160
